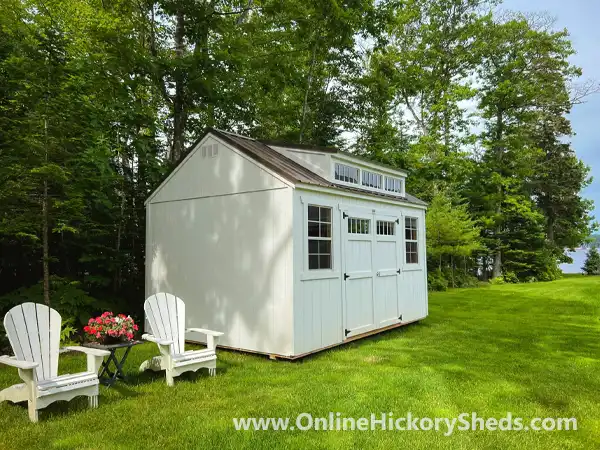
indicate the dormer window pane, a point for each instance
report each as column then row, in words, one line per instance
column 347, row 174
column 393, row 184
column 372, row 179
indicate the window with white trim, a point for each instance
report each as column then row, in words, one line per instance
column 393, row 184
column 319, row 238
column 372, row 179
column 358, row 226
column 411, row 240
column 386, row 228
column 347, row 174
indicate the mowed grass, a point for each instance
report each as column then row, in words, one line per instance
column 531, row 349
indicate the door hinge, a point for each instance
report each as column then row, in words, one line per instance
column 347, row 332
column 346, row 276
column 399, row 271
column 398, row 221
column 344, row 215
column 400, row 318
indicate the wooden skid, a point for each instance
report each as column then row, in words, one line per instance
column 276, row 356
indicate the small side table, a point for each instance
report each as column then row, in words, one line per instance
column 107, row 375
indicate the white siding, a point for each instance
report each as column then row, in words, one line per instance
column 229, row 172
column 319, row 163
column 228, row 255
column 318, row 304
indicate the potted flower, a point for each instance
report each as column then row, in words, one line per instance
column 110, row 329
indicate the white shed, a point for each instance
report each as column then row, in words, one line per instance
column 288, row 249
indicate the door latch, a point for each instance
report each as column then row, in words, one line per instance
column 346, row 276
column 398, row 271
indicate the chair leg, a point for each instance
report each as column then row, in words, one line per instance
column 170, row 379
column 93, row 401
column 212, row 371
column 33, row 412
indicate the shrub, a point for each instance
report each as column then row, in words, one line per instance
column 497, row 280
column 511, row 277
column 436, row 281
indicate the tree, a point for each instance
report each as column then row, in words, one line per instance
column 452, row 235
column 592, row 262
column 524, row 70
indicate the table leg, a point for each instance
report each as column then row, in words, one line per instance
column 118, row 373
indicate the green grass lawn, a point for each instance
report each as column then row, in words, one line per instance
column 531, row 349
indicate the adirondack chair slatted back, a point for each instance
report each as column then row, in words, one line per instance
column 166, row 316
column 33, row 331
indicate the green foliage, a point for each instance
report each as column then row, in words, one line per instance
column 497, row 280
column 592, row 262
column 74, row 304
column 436, row 281
column 450, row 229
column 510, row 277
column 68, row 332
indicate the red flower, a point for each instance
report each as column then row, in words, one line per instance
column 122, row 316
column 135, row 327
column 86, row 328
column 98, row 320
column 130, row 336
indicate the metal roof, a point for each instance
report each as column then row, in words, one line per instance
column 292, row 170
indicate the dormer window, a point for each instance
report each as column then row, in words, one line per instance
column 372, row 179
column 347, row 174
column 393, row 185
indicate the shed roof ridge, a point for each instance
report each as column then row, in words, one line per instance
column 234, row 134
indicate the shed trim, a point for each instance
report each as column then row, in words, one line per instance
column 367, row 196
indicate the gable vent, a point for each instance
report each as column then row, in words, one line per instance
column 210, row 150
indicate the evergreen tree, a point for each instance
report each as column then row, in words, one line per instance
column 592, row 262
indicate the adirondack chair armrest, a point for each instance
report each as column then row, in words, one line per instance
column 151, row 338
column 207, row 332
column 211, row 336
column 18, row 363
column 94, row 356
column 87, row 350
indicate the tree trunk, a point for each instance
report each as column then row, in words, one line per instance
column 497, row 267
column 550, row 229
column 45, row 246
column 307, row 90
column 179, row 109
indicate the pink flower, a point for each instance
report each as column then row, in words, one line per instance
column 98, row 320
column 98, row 335
column 135, row 327
column 130, row 336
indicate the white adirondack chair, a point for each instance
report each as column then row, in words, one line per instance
column 166, row 316
column 34, row 334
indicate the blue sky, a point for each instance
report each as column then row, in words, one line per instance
column 580, row 17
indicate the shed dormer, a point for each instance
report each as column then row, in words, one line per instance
column 345, row 169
